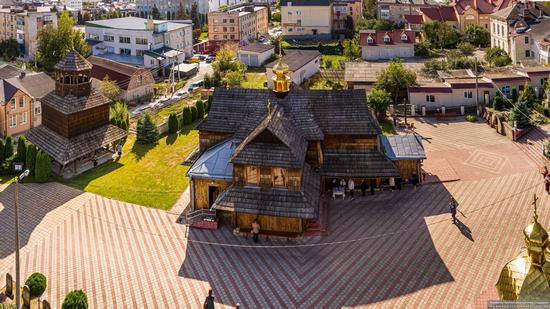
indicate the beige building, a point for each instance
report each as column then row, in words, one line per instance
column 241, row 25
column 521, row 31
column 341, row 9
column 24, row 25
column 477, row 11
column 397, row 10
column 20, row 95
column 306, row 18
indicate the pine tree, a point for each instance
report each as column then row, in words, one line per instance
column 498, row 103
column 21, row 148
column 147, row 130
column 155, row 13
column 172, row 123
column 187, row 116
column 194, row 113
column 528, row 95
column 30, row 161
column 43, row 168
column 8, row 147
column 520, row 115
column 200, row 109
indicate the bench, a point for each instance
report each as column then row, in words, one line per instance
column 266, row 234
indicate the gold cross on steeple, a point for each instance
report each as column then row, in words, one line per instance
column 269, row 109
column 535, row 199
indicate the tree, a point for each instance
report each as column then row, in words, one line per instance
column 187, row 117
column 209, row 103
column 276, row 16
column 119, row 115
column 423, row 49
column 109, row 89
column 440, row 34
column 395, row 79
column 379, row 100
column 9, row 49
column 225, row 59
column 21, row 148
column 496, row 57
column 79, row 19
column 233, row 79
column 527, row 95
column 173, row 123
column 200, row 109
column 147, row 130
column 520, row 115
column 466, row 48
column 8, row 147
column 194, row 113
column 196, row 33
column 2, row 158
column 181, row 14
column 477, row 35
column 195, row 16
column 30, row 161
column 155, row 13
column 55, row 43
column 348, row 25
column 37, row 284
column 369, row 9
column 43, row 167
column 352, row 50
column 75, row 300
column 498, row 102
column 514, row 95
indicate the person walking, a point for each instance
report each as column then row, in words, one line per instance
column 351, row 187
column 544, row 172
column 453, row 205
column 255, row 230
column 547, row 183
column 209, row 301
column 364, row 186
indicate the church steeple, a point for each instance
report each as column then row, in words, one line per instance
column 281, row 80
column 536, row 238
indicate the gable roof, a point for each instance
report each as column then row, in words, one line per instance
column 482, row 6
column 215, row 163
column 394, row 35
column 296, row 59
column 440, row 13
column 36, row 85
column 403, row 147
column 314, row 113
column 7, row 70
column 518, row 13
column 306, row 2
column 118, row 72
column 257, row 48
column 414, row 19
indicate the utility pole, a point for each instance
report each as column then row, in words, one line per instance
column 17, row 270
column 405, row 104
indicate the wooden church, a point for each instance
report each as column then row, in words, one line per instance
column 269, row 154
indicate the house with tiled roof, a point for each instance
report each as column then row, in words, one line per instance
column 377, row 45
column 477, row 11
column 302, row 65
column 135, row 83
column 522, row 31
column 269, row 155
column 445, row 14
column 398, row 10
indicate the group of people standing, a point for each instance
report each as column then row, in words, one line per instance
column 340, row 186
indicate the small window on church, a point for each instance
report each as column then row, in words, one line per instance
column 279, row 177
column 252, row 175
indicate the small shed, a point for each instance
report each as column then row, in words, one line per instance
column 186, row 70
column 211, row 174
column 405, row 151
column 255, row 54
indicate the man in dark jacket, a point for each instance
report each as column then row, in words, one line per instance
column 452, row 205
column 209, row 301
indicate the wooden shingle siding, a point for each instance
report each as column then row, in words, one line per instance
column 209, row 139
column 201, row 191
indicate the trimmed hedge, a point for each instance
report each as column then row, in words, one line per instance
column 75, row 300
column 37, row 284
column 209, row 103
column 43, row 168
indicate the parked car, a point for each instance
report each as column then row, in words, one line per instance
column 194, row 60
column 198, row 83
column 202, row 57
column 262, row 39
column 210, row 59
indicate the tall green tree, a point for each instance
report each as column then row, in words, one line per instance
column 440, row 34
column 119, row 115
column 352, row 50
column 181, row 14
column 8, row 147
column 477, row 35
column 369, row 9
column 21, row 148
column 349, row 26
column 379, row 100
column 527, row 95
column 30, row 161
column 147, row 130
column 9, row 49
column 54, row 43
column 395, row 79
column 173, row 123
column 43, row 167
column 520, row 115
column 110, row 89
column 155, row 13
column 496, row 57
column 195, row 16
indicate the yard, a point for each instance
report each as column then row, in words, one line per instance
column 148, row 175
column 254, row 81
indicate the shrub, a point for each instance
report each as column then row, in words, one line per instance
column 147, row 130
column 8, row 147
column 200, row 109
column 423, row 49
column 466, row 48
column 514, row 95
column 1, row 151
column 37, row 284
column 43, row 167
column 120, row 116
column 75, row 300
column 172, row 123
column 187, row 116
column 30, row 160
column 520, row 115
column 21, row 148
column 498, row 103
column 470, row 118
column 194, row 113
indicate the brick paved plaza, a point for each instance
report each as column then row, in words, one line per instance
column 390, row 250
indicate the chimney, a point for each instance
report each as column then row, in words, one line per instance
column 22, row 75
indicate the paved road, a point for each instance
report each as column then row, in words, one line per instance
column 391, row 250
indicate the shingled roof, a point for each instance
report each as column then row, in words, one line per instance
column 73, row 62
column 314, row 113
column 65, row 150
column 357, row 163
column 118, row 72
column 403, row 147
column 71, row 104
column 274, row 202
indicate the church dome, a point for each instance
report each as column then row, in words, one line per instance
column 535, row 233
column 280, row 67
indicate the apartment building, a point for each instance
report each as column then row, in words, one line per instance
column 304, row 19
column 24, row 25
column 396, row 10
column 477, row 11
column 240, row 25
column 20, row 95
column 169, row 8
column 522, row 31
column 127, row 39
column 341, row 9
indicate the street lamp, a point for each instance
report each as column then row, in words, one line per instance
column 17, row 279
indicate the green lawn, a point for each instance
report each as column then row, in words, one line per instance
column 148, row 175
column 254, row 81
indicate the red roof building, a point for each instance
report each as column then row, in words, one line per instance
column 377, row 45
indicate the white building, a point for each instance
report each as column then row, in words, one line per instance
column 127, row 39
column 377, row 45
column 255, row 55
column 169, row 8
column 302, row 65
column 74, row 4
